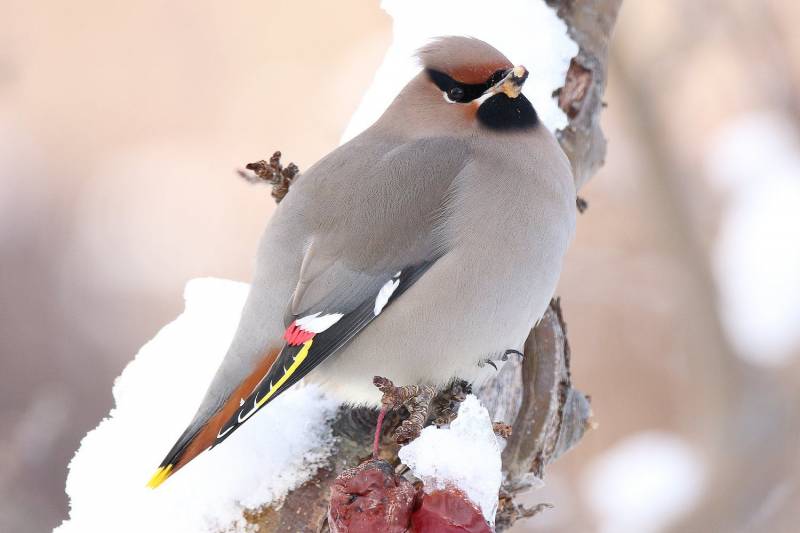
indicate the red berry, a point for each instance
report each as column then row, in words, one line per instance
column 371, row 498
column 448, row 511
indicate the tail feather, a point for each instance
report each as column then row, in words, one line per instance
column 196, row 439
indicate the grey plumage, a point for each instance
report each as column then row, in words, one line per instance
column 489, row 211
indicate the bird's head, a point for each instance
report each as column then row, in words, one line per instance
column 478, row 81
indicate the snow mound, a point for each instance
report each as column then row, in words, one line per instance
column 466, row 455
column 534, row 36
column 155, row 397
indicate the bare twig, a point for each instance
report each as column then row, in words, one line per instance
column 415, row 398
column 272, row 172
column 501, row 429
column 509, row 511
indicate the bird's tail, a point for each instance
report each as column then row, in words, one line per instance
column 176, row 458
column 200, row 436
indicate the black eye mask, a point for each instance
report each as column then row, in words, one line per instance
column 463, row 92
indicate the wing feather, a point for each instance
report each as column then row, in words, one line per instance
column 298, row 359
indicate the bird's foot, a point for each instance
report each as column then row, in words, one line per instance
column 511, row 352
column 504, row 357
column 418, row 406
column 447, row 402
column 416, row 399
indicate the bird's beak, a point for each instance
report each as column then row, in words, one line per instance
column 511, row 84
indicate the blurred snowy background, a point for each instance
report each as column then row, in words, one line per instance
column 120, row 129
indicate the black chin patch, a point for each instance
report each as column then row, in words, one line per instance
column 501, row 112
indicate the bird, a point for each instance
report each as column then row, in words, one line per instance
column 423, row 246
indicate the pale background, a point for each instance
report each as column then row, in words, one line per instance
column 121, row 125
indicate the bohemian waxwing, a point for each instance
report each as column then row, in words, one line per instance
column 427, row 244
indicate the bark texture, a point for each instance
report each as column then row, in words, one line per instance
column 534, row 393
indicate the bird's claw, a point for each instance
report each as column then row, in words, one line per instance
column 407, row 431
column 416, row 398
column 515, row 352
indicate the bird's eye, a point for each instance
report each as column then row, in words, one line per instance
column 455, row 94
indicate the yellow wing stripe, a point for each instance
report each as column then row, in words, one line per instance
column 298, row 360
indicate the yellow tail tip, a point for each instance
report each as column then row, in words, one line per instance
column 158, row 478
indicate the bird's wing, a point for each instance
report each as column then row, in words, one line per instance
column 382, row 239
column 323, row 328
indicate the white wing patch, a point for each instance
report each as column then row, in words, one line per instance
column 384, row 294
column 317, row 323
